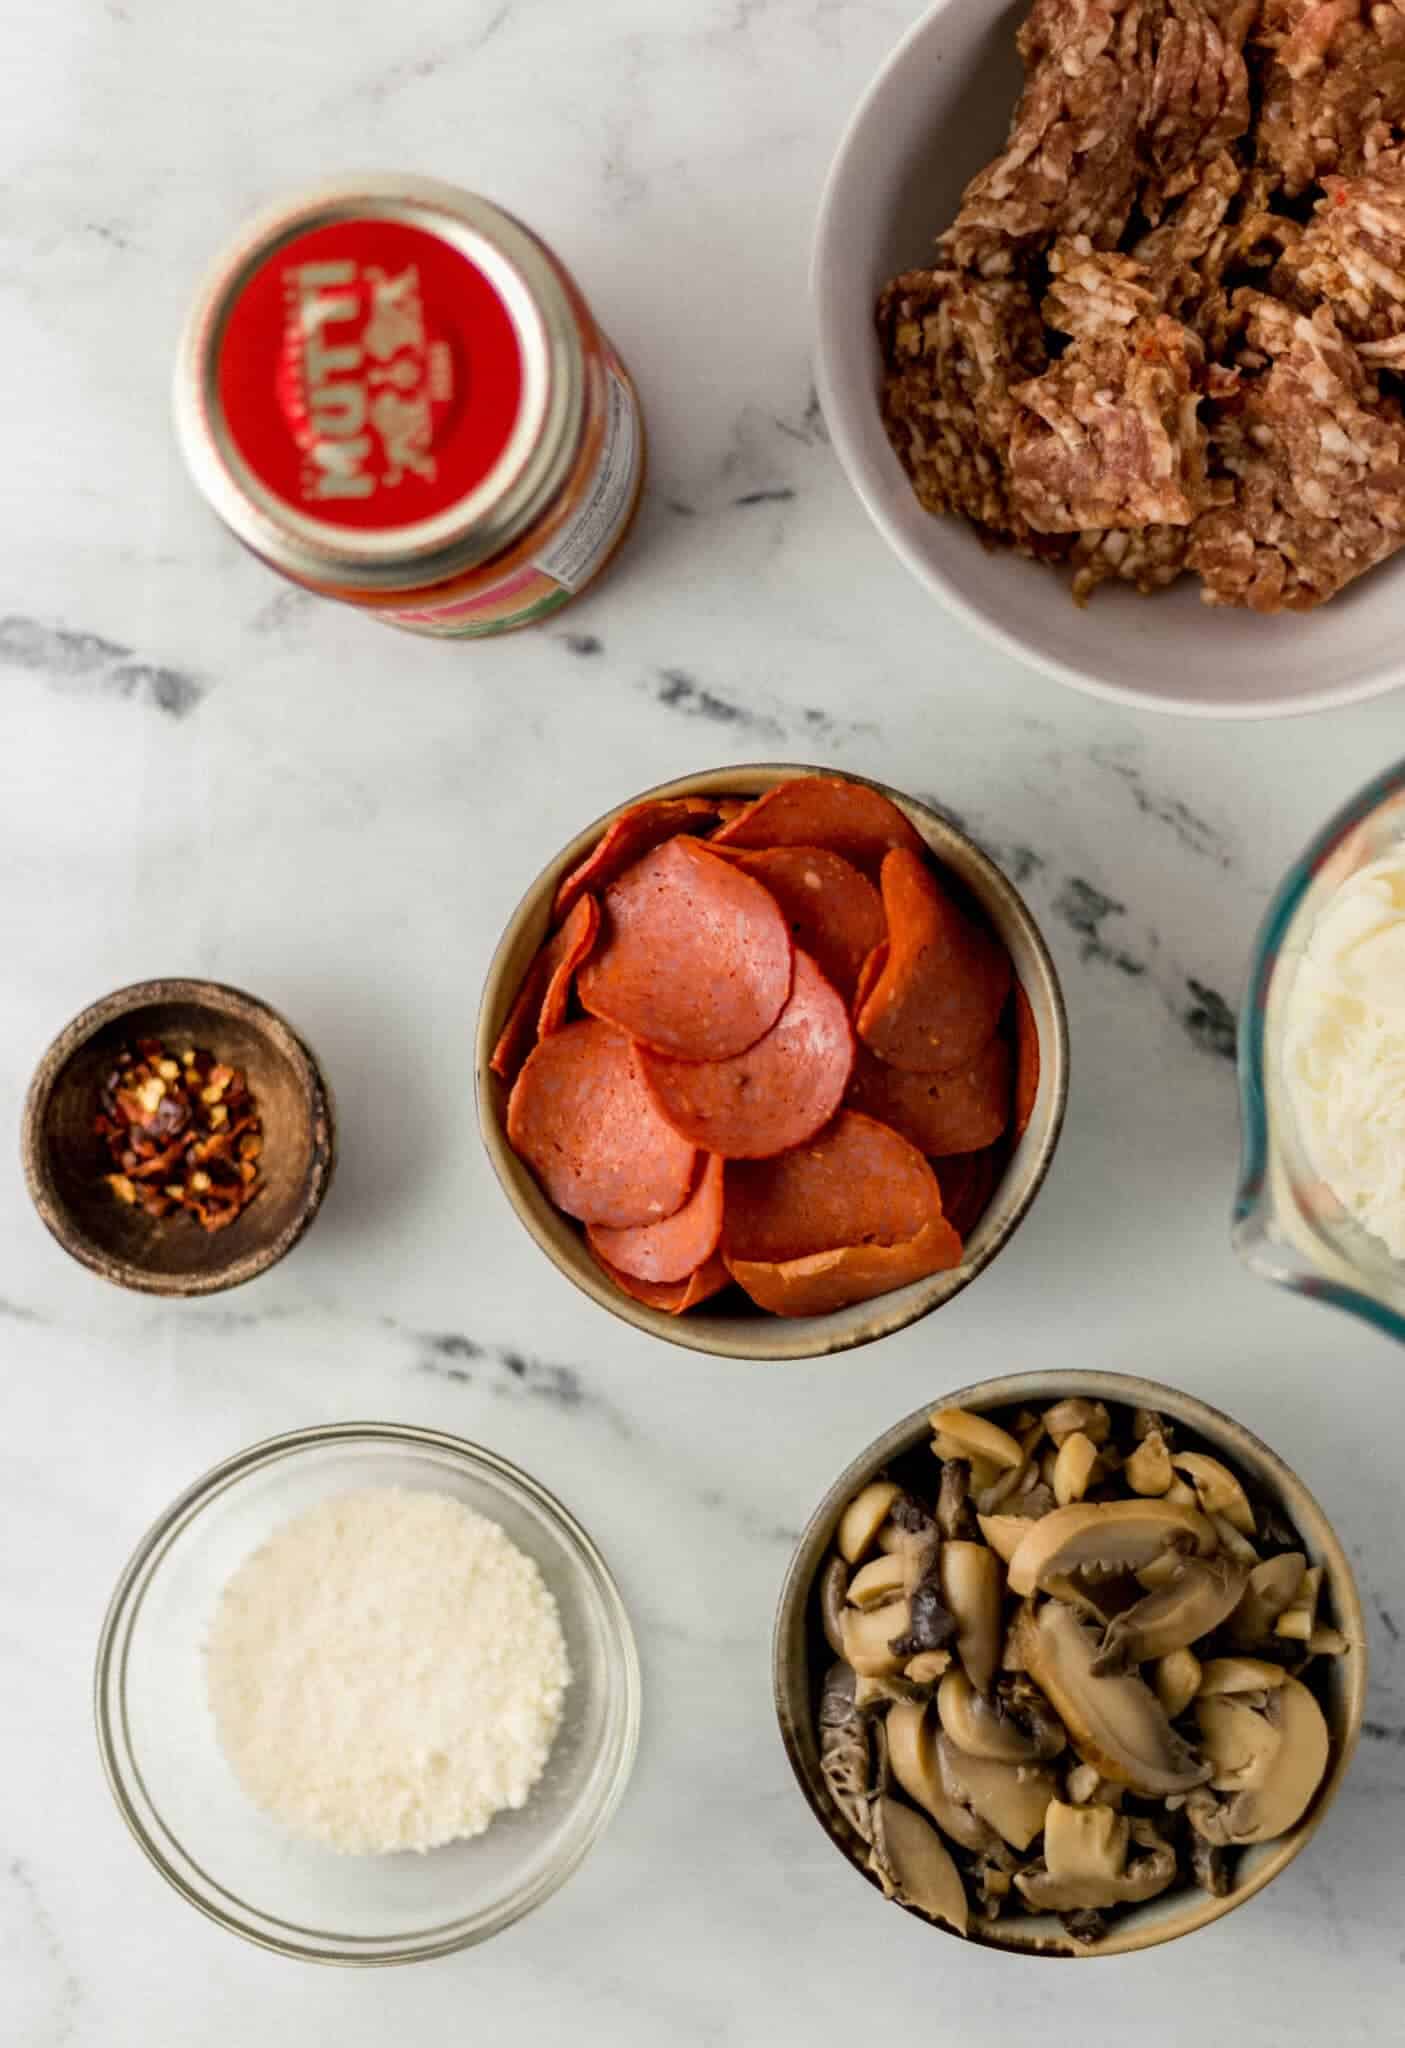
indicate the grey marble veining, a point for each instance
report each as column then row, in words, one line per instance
column 202, row 770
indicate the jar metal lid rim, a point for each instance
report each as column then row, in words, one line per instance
column 533, row 466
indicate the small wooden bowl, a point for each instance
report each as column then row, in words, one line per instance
column 65, row 1160
column 800, row 1656
column 734, row 1329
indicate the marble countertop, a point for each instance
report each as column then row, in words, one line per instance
column 203, row 771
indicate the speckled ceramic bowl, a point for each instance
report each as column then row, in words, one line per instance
column 734, row 1329
column 800, row 1655
column 65, row 1162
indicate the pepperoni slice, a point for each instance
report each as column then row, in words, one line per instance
column 967, row 1183
column 581, row 1117
column 822, row 810
column 674, row 1248
column 569, row 950
column 545, row 994
column 833, row 911
column 826, row 1281
column 729, row 807
column 963, row 1110
column 674, row 1297
column 693, row 957
column 778, row 1092
column 627, row 839
column 868, row 974
column 1026, row 1061
column 939, row 996
column 856, row 1183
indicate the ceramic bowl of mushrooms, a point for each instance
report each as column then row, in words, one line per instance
column 1069, row 1664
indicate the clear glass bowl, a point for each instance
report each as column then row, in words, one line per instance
column 1288, row 1226
column 181, row 1799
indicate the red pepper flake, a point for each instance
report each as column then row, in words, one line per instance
column 182, row 1132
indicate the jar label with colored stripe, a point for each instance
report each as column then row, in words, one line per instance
column 603, row 504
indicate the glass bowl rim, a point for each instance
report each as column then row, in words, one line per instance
column 1250, row 1194
column 109, row 1691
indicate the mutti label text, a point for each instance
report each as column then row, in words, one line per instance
column 369, row 379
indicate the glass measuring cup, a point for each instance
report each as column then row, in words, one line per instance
column 1288, row 1225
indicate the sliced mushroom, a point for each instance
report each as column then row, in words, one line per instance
column 908, row 1531
column 1097, row 1597
column 1279, row 1785
column 1086, row 1929
column 930, row 1625
column 1272, row 1586
column 1209, row 1866
column 912, row 1757
column 1025, row 1703
column 834, row 1584
column 1034, row 1498
column 1090, row 1418
column 1240, row 1674
column 1299, row 1617
column 1241, row 1743
column 955, row 1516
column 1326, row 1642
column 1233, row 1543
column 1201, row 1594
column 1115, row 1723
column 920, row 1567
column 1083, row 1784
column 1181, row 1495
column 973, row 1436
column 990, row 1499
column 1147, row 1422
column 1117, row 1535
column 1074, row 1467
column 973, row 1586
column 872, row 1695
column 846, row 1760
column 994, row 1880
column 927, row 1667
column 1163, row 1571
column 987, row 1727
column 1011, row 1798
column 914, row 1865
column 1004, row 1533
column 1087, row 1864
column 869, row 1638
column 882, row 1579
column 1219, row 1491
column 1148, row 1470
column 863, row 1518
column 1177, row 1679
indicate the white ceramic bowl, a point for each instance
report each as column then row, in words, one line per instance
column 938, row 111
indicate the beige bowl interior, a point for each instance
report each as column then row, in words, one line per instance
column 800, row 1654
column 65, row 1161
column 737, row 1331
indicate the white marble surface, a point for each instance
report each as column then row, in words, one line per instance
column 201, row 771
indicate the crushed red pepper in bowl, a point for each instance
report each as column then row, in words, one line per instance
column 183, row 1133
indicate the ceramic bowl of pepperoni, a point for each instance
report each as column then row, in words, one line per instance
column 771, row 1062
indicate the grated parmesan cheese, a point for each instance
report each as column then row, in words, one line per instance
column 387, row 1672
column 1344, row 1048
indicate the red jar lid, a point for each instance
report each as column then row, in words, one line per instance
column 369, row 374
column 382, row 386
